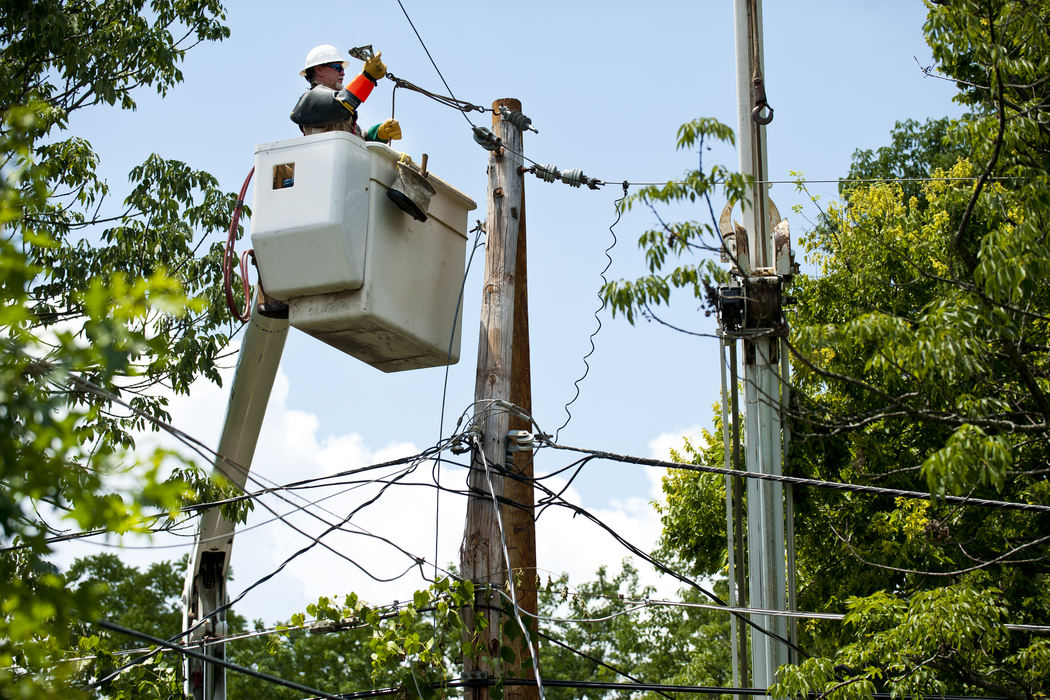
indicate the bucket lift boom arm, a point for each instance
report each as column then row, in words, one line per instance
column 209, row 564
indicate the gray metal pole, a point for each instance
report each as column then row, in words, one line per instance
column 734, row 511
column 789, row 501
column 727, row 460
column 765, row 505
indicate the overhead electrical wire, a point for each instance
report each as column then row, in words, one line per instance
column 432, row 61
column 804, row 481
column 226, row 606
column 596, row 661
column 597, row 318
column 480, row 451
column 198, row 446
column 166, row 644
column 642, row 603
column 553, row 498
column 621, row 458
column 549, row 173
column 253, row 495
column 659, row 565
column 314, row 542
column 598, row 454
column 478, row 230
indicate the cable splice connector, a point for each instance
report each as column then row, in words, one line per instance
column 486, row 139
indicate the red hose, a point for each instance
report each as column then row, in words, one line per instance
column 229, row 256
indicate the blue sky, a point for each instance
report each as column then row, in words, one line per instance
column 606, row 84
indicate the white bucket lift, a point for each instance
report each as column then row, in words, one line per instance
column 355, row 270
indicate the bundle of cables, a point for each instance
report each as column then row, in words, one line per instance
column 229, row 257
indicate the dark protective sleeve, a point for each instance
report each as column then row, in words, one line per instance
column 320, row 106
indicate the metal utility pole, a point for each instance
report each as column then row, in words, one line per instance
column 764, row 325
column 502, row 379
column 734, row 510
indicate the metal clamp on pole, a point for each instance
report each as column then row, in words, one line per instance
column 759, row 90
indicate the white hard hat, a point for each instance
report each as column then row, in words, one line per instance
column 323, row 53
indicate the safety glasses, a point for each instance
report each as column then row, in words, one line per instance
column 337, row 67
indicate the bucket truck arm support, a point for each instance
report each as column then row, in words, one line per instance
column 209, row 563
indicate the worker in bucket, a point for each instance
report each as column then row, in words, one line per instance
column 328, row 106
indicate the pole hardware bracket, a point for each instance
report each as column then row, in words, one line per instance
column 520, row 441
column 764, row 304
column 756, row 305
column 762, row 113
column 731, row 306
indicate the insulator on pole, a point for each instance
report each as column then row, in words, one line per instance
column 486, row 139
column 518, row 119
column 573, row 178
column 547, row 173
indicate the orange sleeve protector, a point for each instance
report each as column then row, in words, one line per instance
column 360, row 87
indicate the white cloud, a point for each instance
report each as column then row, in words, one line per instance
column 660, row 446
column 406, row 513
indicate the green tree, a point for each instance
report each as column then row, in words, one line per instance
column 916, row 151
column 920, row 356
column 337, row 662
column 105, row 305
column 149, row 601
column 603, row 630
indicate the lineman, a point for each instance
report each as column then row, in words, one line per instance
column 328, row 106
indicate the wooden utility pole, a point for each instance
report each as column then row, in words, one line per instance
column 503, row 376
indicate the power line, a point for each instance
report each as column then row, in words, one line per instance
column 201, row 448
column 479, row 229
column 804, row 481
column 597, row 311
column 104, row 624
column 432, row 61
column 599, row 454
column 595, row 661
column 637, row 551
column 314, row 541
column 633, row 687
column 480, row 450
column 640, row 603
